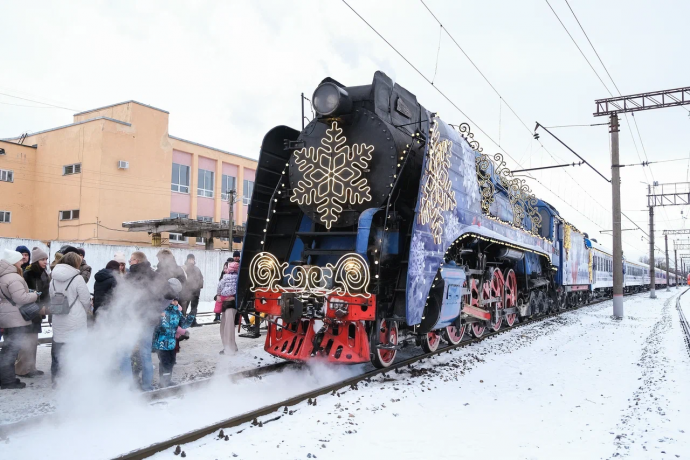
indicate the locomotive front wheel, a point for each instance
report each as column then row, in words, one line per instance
column 453, row 335
column 430, row 341
column 388, row 336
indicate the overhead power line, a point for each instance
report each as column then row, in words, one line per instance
column 39, row 102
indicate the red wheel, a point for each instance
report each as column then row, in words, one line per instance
column 496, row 291
column 388, row 335
column 453, row 335
column 430, row 341
column 476, row 328
column 511, row 295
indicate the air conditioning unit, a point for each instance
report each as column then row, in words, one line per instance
column 122, row 164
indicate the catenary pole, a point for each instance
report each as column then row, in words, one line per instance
column 617, row 244
column 652, row 280
column 675, row 266
column 231, row 203
column 668, row 279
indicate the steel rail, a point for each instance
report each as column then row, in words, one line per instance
column 145, row 452
column 155, row 395
column 685, row 326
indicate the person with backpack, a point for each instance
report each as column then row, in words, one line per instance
column 225, row 299
column 70, row 305
column 14, row 293
column 38, row 279
column 164, row 336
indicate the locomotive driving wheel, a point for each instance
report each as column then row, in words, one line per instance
column 511, row 295
column 478, row 328
column 431, row 341
column 452, row 334
column 496, row 292
column 388, row 338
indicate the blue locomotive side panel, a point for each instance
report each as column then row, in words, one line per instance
column 449, row 206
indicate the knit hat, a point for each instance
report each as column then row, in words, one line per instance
column 191, row 256
column 120, row 258
column 233, row 267
column 23, row 250
column 175, row 285
column 38, row 254
column 10, row 256
column 67, row 249
column 236, row 254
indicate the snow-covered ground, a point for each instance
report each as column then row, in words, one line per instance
column 581, row 385
column 198, row 359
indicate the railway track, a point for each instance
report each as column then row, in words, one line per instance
column 156, row 395
column 685, row 326
column 254, row 415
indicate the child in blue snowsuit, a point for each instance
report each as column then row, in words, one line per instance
column 164, row 339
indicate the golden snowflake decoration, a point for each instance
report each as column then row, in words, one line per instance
column 437, row 195
column 332, row 175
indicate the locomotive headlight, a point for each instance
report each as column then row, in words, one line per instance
column 330, row 100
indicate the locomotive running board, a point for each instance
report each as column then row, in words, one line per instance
column 476, row 312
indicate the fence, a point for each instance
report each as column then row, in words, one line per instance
column 98, row 255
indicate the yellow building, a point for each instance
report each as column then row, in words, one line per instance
column 81, row 181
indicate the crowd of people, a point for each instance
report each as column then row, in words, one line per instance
column 165, row 300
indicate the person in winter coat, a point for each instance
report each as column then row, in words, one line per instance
column 70, row 327
column 58, row 256
column 167, row 266
column 122, row 260
column 227, row 288
column 38, row 280
column 26, row 255
column 191, row 288
column 164, row 341
column 84, row 268
column 14, row 293
column 149, row 296
column 105, row 281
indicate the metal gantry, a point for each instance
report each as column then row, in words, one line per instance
column 643, row 101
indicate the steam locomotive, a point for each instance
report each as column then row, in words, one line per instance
column 380, row 225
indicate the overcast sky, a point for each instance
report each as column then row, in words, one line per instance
column 229, row 71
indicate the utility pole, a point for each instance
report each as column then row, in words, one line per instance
column 617, row 243
column 668, row 279
column 652, row 285
column 675, row 266
column 231, row 203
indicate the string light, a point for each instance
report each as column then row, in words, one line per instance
column 437, row 195
column 332, row 175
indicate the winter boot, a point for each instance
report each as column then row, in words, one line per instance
column 16, row 385
column 217, row 318
column 166, row 380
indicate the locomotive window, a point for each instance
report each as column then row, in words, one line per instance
column 545, row 229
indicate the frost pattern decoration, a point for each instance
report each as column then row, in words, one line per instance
column 437, row 194
column 333, row 175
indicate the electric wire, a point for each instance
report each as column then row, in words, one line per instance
column 39, row 102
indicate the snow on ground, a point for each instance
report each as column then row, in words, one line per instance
column 580, row 385
column 197, row 360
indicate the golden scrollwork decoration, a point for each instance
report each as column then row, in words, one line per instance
column 486, row 187
column 468, row 135
column 265, row 272
column 520, row 196
column 350, row 276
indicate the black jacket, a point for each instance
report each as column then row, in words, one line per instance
column 105, row 281
column 39, row 280
column 194, row 282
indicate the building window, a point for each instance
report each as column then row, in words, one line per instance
column 205, row 186
column 224, row 223
column 248, row 189
column 177, row 237
column 5, row 217
column 200, row 240
column 228, row 184
column 180, row 178
column 204, row 219
column 69, row 215
column 6, row 175
column 71, row 169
